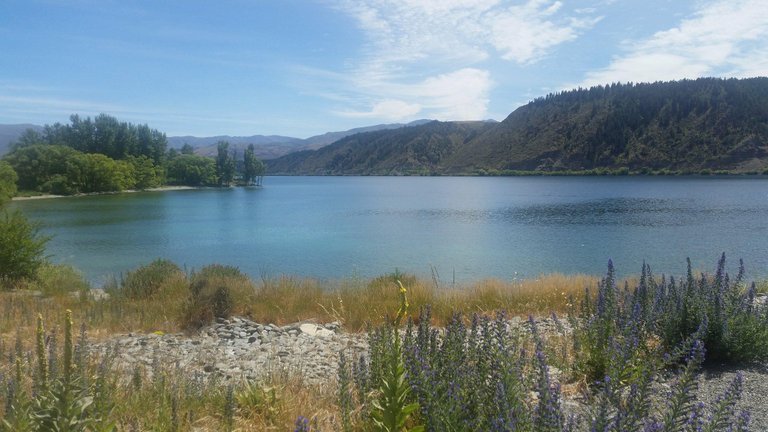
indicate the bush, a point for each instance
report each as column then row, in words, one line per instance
column 736, row 329
column 213, row 293
column 483, row 377
column 21, row 248
column 8, row 180
column 57, row 279
column 151, row 280
column 720, row 310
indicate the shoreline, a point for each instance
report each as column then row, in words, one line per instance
column 157, row 189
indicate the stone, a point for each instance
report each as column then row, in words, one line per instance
column 310, row 329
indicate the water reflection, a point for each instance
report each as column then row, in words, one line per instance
column 482, row 227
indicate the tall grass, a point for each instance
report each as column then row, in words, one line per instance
column 459, row 365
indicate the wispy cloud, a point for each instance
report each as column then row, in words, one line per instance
column 429, row 58
column 722, row 38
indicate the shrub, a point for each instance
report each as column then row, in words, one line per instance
column 214, row 292
column 22, row 248
column 8, row 180
column 151, row 280
column 736, row 329
column 58, row 279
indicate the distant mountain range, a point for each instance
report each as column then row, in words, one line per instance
column 699, row 125
column 266, row 147
column 273, row 146
column 688, row 126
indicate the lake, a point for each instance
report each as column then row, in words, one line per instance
column 462, row 228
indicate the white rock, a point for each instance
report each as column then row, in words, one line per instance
column 310, row 329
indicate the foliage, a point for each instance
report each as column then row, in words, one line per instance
column 662, row 314
column 59, row 280
column 40, row 167
column 149, row 281
column 146, row 174
column 22, row 247
column 253, row 168
column 63, row 400
column 225, row 164
column 214, row 292
column 93, row 172
column 736, row 327
column 192, row 170
column 707, row 125
column 8, row 180
column 392, row 407
column 105, row 135
column 255, row 401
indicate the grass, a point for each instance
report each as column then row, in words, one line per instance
column 160, row 297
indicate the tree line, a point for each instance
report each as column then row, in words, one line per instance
column 105, row 155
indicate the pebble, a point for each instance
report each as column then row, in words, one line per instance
column 239, row 349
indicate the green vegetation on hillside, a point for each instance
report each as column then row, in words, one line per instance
column 105, row 155
column 703, row 126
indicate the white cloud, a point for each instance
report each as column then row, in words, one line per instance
column 389, row 109
column 457, row 95
column 722, row 38
column 425, row 53
column 526, row 33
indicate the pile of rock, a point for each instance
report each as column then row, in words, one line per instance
column 241, row 349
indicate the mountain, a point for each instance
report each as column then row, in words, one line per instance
column 273, row 146
column 266, row 146
column 10, row 132
column 686, row 126
column 317, row 141
column 421, row 149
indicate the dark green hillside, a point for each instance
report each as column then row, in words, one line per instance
column 687, row 125
column 419, row 149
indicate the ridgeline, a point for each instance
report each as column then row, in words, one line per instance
column 691, row 126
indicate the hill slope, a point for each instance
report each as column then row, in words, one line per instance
column 408, row 150
column 273, row 146
column 687, row 126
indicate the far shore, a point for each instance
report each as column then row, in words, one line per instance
column 158, row 189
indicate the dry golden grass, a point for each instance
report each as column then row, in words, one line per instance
column 282, row 300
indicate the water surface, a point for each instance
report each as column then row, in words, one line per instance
column 473, row 227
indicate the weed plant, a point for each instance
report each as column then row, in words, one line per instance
column 476, row 371
column 482, row 377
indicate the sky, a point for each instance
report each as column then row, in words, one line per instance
column 304, row 67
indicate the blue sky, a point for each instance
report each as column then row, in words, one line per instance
column 305, row 67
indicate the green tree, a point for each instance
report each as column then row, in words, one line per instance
column 94, row 172
column 225, row 164
column 145, row 174
column 192, row 170
column 8, row 180
column 253, row 168
column 187, row 149
column 28, row 138
column 22, row 248
column 40, row 164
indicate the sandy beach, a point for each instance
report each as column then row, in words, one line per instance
column 158, row 189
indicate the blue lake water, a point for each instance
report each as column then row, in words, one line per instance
column 473, row 227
